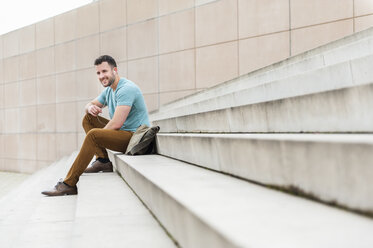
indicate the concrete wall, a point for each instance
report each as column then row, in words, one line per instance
column 170, row 48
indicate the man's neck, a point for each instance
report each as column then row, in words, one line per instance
column 115, row 84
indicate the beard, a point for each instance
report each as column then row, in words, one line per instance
column 111, row 80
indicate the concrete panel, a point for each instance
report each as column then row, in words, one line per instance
column 113, row 14
column 1, row 70
column 46, row 144
column 177, row 71
column 46, row 121
column 140, row 10
column 66, row 85
column 305, row 13
column 11, row 148
column 27, row 39
column 202, row 2
column 81, row 137
column 170, row 6
column 216, row 22
column 27, row 66
column 27, row 167
column 11, row 165
column 27, row 120
column 176, row 31
column 273, row 48
column 11, row 44
column 2, row 123
column 27, row 92
column 165, row 97
column 1, row 47
column 1, row 142
column 87, row 20
column 87, row 50
column 87, row 87
column 144, row 73
column 66, row 117
column 11, row 95
column 65, row 26
column 307, row 38
column 122, row 70
column 80, row 113
column 363, row 7
column 114, row 44
column 151, row 101
column 216, row 64
column 10, row 69
column 1, row 97
column 44, row 33
column 258, row 17
column 45, row 62
column 66, row 143
column 65, row 57
column 27, row 146
column 364, row 22
column 46, row 90
column 142, row 39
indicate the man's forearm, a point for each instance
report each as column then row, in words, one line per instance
column 112, row 125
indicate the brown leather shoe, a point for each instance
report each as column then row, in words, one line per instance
column 61, row 189
column 98, row 166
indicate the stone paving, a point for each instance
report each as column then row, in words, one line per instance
column 9, row 181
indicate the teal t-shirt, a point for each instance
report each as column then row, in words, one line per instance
column 129, row 94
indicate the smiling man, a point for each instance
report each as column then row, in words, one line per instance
column 127, row 112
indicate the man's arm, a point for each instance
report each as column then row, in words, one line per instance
column 120, row 116
column 94, row 107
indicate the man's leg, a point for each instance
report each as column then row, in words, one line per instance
column 97, row 139
column 89, row 122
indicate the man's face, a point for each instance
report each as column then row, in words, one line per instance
column 105, row 74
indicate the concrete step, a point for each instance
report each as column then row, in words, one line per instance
column 10, row 180
column 109, row 214
column 355, row 46
column 28, row 219
column 333, row 99
column 332, row 168
column 203, row 208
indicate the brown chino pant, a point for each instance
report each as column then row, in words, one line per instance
column 95, row 142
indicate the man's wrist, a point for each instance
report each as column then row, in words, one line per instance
column 87, row 108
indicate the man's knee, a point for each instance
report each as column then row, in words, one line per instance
column 93, row 132
column 86, row 119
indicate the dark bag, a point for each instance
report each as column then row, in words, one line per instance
column 142, row 141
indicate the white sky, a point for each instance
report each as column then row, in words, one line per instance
column 15, row 14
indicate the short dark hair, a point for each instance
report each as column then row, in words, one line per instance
column 106, row 58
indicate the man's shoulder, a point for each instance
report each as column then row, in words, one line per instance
column 127, row 85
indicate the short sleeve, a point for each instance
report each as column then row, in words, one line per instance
column 102, row 98
column 126, row 96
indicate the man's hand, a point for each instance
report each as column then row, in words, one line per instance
column 94, row 110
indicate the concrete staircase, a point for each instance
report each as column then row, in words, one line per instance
column 280, row 157
column 105, row 213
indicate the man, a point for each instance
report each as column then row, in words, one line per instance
column 127, row 111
